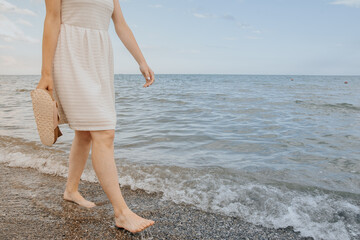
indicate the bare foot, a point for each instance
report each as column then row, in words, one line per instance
column 132, row 222
column 77, row 198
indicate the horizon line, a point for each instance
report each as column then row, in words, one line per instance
column 243, row 74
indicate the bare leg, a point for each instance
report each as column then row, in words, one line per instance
column 78, row 156
column 102, row 156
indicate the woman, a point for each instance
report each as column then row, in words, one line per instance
column 77, row 69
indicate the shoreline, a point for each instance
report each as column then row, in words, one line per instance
column 32, row 207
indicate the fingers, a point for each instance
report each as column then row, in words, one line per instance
column 41, row 86
column 147, row 84
column 149, row 77
column 152, row 76
column 46, row 85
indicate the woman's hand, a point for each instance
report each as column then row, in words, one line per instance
column 148, row 74
column 46, row 83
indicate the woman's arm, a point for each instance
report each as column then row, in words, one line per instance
column 50, row 36
column 127, row 37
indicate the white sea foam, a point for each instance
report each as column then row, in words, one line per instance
column 313, row 213
column 316, row 214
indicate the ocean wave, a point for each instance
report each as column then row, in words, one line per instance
column 333, row 106
column 23, row 90
column 312, row 211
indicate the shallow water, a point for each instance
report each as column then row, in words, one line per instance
column 273, row 151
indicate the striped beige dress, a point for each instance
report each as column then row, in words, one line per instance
column 83, row 68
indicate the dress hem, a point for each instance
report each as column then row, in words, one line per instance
column 89, row 128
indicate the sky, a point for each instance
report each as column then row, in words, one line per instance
column 290, row 37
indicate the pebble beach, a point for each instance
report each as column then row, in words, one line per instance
column 32, row 207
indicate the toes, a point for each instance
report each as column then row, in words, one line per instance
column 137, row 224
column 146, row 224
column 139, row 229
column 142, row 226
column 150, row 222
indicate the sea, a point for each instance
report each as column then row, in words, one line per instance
column 274, row 150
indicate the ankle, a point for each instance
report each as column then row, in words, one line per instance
column 70, row 191
column 121, row 212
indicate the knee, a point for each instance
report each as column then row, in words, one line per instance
column 104, row 137
column 83, row 136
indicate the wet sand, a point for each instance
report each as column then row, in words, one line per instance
column 31, row 207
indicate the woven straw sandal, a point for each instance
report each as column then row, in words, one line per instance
column 46, row 116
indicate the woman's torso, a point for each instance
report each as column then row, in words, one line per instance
column 95, row 14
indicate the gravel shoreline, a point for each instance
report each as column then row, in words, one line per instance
column 31, row 207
